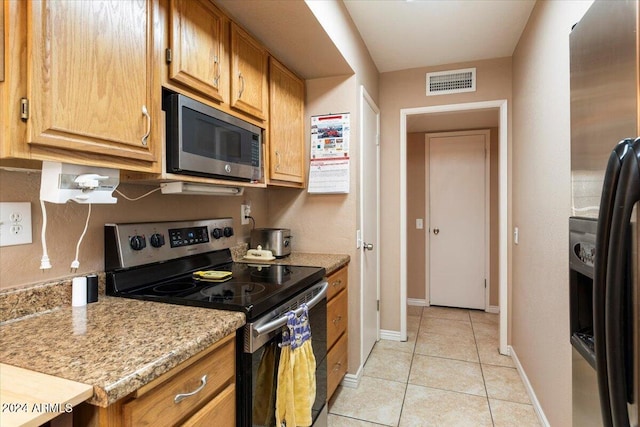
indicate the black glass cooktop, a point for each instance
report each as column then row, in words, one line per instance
column 252, row 289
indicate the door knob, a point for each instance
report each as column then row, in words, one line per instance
column 436, row 231
column 368, row 246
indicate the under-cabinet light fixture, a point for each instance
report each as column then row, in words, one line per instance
column 192, row 188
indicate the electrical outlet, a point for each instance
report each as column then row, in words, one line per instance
column 245, row 211
column 15, row 223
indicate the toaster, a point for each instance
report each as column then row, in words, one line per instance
column 276, row 240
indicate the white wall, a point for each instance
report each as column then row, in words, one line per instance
column 542, row 204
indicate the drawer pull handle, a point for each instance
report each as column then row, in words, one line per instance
column 337, row 320
column 337, row 283
column 337, row 366
column 182, row 396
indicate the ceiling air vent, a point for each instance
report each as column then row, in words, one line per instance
column 452, row 81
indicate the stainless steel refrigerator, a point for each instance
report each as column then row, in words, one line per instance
column 605, row 167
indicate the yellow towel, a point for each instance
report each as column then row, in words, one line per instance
column 264, row 398
column 296, row 375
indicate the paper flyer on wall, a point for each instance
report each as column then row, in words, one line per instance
column 329, row 168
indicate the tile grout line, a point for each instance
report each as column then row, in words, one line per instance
column 484, row 381
column 413, row 355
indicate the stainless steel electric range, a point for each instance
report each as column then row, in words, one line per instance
column 162, row 262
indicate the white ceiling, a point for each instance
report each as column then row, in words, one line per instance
column 403, row 34
column 400, row 34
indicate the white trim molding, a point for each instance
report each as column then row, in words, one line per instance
column 417, row 302
column 503, row 231
column 352, row 380
column 527, row 385
column 391, row 335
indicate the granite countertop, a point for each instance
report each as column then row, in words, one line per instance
column 330, row 262
column 116, row 345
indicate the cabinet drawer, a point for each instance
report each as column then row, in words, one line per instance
column 221, row 411
column 337, row 364
column 337, row 282
column 337, row 310
column 157, row 406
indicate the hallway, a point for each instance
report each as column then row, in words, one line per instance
column 448, row 373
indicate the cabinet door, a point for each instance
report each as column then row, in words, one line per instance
column 90, row 74
column 286, row 125
column 198, row 53
column 248, row 74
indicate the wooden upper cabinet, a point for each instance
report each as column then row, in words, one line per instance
column 249, row 61
column 91, row 88
column 286, row 126
column 2, row 61
column 198, row 56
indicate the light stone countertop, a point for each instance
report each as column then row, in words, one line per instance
column 330, row 262
column 117, row 345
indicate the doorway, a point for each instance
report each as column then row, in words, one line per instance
column 458, row 218
column 503, row 233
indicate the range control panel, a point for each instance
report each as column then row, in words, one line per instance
column 134, row 244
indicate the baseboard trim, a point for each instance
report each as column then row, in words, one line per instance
column 493, row 309
column 390, row 335
column 352, row 380
column 416, row 302
column 527, row 385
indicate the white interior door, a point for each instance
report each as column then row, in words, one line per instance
column 369, row 190
column 457, row 239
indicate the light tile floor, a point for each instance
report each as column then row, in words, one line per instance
column 448, row 373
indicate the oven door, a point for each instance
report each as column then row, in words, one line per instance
column 258, row 355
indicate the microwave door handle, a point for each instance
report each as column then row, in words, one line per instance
column 282, row 320
column 617, row 314
column 603, row 232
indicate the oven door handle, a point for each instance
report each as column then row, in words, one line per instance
column 282, row 320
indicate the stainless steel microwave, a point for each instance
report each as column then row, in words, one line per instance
column 207, row 142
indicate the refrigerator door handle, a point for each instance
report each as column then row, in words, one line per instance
column 603, row 232
column 617, row 293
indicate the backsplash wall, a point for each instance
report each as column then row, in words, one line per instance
column 19, row 265
column 586, row 186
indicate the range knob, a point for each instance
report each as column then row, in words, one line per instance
column 216, row 233
column 156, row 240
column 228, row 232
column 137, row 242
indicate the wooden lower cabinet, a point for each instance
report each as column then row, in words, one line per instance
column 337, row 322
column 205, row 402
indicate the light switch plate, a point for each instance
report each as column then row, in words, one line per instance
column 419, row 223
column 15, row 223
